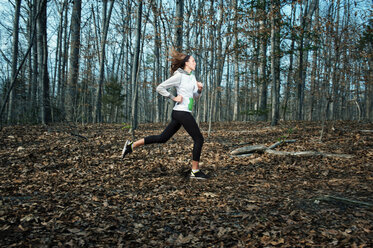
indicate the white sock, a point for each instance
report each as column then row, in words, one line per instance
column 195, row 171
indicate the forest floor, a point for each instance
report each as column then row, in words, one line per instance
column 61, row 190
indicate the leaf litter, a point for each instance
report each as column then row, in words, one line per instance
column 61, row 190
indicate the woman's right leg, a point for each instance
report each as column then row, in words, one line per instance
column 170, row 130
column 138, row 143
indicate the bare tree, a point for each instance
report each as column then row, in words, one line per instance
column 72, row 81
column 12, row 100
column 45, row 109
column 179, row 20
column 262, row 77
column 236, row 65
column 275, row 59
column 306, row 13
column 135, row 68
column 106, row 15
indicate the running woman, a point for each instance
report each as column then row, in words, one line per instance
column 187, row 89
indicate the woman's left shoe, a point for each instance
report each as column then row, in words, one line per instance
column 198, row 175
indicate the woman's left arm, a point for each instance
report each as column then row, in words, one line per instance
column 198, row 93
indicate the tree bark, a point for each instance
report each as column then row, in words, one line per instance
column 43, row 63
column 275, row 60
column 290, row 76
column 306, row 18
column 12, row 99
column 135, row 68
column 157, row 49
column 179, row 20
column 236, row 65
column 262, row 108
column 73, row 77
column 105, row 21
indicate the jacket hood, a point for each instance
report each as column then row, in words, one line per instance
column 183, row 72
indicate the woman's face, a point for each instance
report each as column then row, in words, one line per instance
column 191, row 64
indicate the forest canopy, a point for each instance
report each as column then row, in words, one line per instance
column 100, row 61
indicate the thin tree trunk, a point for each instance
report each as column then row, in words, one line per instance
column 290, row 75
column 105, row 22
column 236, row 66
column 135, row 67
column 306, row 18
column 12, row 100
column 275, row 63
column 262, row 110
column 179, row 24
column 43, row 64
column 73, row 77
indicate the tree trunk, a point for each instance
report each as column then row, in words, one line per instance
column 262, row 109
column 73, row 77
column 306, row 18
column 105, row 22
column 12, row 99
column 179, row 24
column 34, row 77
column 336, row 67
column 290, row 75
column 157, row 49
column 43, row 63
column 236, row 65
column 275, row 60
column 64, row 57
column 135, row 68
column 60, row 57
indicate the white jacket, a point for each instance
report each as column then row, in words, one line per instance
column 186, row 86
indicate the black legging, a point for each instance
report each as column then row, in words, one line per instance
column 185, row 119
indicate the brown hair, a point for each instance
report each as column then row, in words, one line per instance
column 177, row 60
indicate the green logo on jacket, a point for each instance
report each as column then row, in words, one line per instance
column 190, row 105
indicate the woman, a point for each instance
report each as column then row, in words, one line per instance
column 188, row 89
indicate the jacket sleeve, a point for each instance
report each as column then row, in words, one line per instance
column 171, row 82
column 196, row 93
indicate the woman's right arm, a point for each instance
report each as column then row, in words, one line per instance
column 171, row 82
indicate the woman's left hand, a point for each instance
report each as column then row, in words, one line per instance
column 200, row 86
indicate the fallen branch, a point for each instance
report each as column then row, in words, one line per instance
column 249, row 150
column 68, row 132
column 330, row 198
column 280, row 143
column 308, row 153
column 78, row 135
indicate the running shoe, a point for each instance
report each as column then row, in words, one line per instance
column 198, row 175
column 127, row 148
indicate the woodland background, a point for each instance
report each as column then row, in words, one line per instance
column 76, row 75
column 100, row 61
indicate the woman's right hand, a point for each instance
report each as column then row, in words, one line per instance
column 178, row 98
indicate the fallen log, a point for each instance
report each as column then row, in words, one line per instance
column 249, row 150
column 330, row 198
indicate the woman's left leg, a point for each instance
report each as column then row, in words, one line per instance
column 190, row 125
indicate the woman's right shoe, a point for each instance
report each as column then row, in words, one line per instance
column 127, row 148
